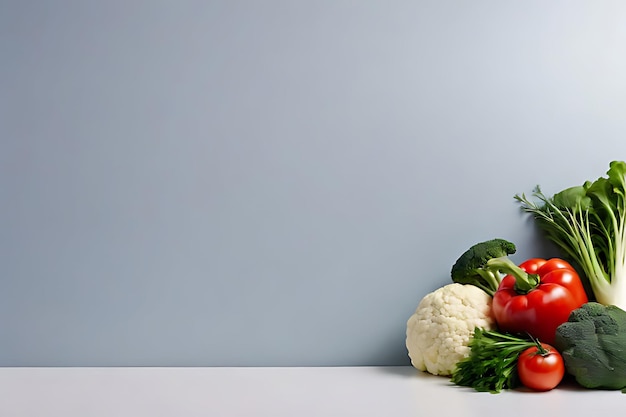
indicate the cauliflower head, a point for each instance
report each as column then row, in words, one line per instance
column 438, row 333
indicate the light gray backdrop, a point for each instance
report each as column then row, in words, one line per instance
column 232, row 183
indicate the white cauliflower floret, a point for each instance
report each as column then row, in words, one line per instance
column 438, row 333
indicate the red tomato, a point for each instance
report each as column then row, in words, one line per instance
column 540, row 368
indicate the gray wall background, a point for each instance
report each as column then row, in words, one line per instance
column 243, row 183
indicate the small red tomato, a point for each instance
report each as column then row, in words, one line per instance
column 540, row 367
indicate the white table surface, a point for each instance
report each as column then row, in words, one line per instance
column 275, row 392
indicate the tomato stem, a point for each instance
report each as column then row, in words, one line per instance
column 541, row 350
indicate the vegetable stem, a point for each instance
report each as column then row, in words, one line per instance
column 524, row 282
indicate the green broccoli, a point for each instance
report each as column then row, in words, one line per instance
column 472, row 266
column 593, row 345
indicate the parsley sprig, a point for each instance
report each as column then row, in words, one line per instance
column 492, row 363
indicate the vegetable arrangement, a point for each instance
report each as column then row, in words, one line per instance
column 501, row 326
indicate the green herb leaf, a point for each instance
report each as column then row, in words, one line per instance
column 492, row 363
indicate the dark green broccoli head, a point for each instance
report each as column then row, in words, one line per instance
column 471, row 267
column 593, row 345
column 605, row 319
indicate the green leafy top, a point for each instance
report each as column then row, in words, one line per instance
column 492, row 363
column 588, row 223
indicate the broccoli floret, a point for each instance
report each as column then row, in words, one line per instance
column 592, row 344
column 472, row 268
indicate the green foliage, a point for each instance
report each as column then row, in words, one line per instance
column 492, row 363
column 471, row 267
column 588, row 223
column 593, row 345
